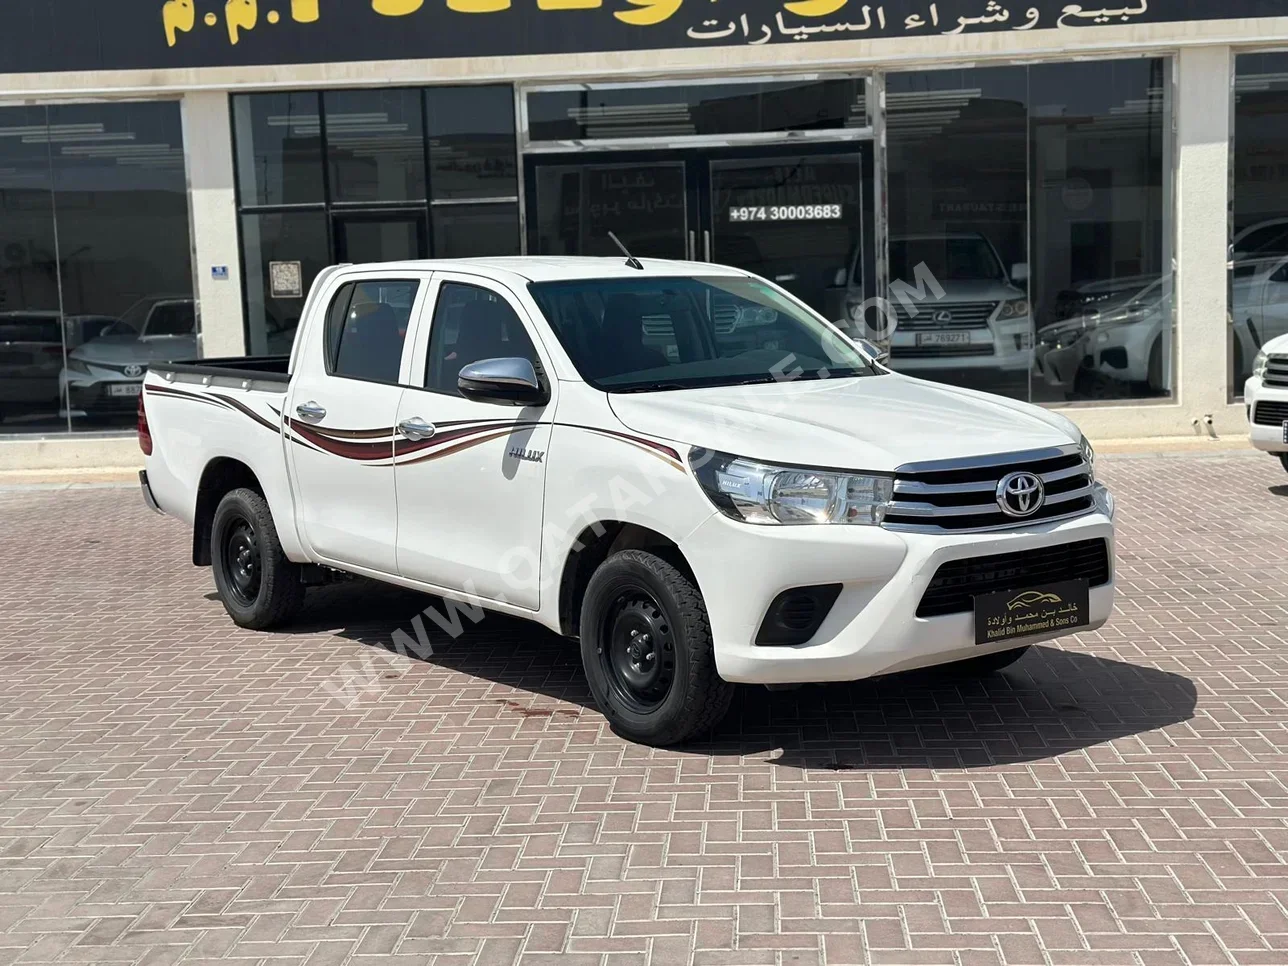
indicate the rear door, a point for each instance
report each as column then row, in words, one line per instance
column 348, row 378
column 471, row 493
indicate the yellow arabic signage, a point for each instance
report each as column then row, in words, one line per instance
column 112, row 34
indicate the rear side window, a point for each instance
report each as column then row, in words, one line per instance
column 471, row 323
column 366, row 327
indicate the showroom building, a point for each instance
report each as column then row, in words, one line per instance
column 1082, row 207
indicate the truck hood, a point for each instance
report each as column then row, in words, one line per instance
column 872, row 423
column 127, row 349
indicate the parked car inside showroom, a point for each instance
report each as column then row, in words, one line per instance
column 1112, row 333
column 31, row 355
column 104, row 375
column 981, row 321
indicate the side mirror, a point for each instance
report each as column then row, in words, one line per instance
column 510, row 380
column 1020, row 273
column 874, row 351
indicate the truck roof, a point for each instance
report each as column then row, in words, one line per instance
column 554, row 268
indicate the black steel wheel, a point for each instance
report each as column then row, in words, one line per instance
column 258, row 585
column 647, row 650
column 240, row 560
column 638, row 651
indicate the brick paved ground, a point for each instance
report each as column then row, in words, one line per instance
column 175, row 789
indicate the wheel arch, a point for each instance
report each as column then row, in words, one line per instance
column 596, row 543
column 222, row 475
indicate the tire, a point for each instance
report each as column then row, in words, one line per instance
column 987, row 664
column 1283, row 458
column 258, row 586
column 665, row 690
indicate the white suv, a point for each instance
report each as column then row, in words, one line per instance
column 1266, row 394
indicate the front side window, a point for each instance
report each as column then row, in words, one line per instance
column 627, row 335
column 471, row 323
column 366, row 329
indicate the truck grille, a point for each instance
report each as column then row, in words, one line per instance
column 1270, row 413
column 961, row 496
column 961, row 315
column 1276, row 372
column 957, row 583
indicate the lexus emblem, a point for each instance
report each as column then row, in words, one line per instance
column 1020, row 495
column 943, row 316
column 133, row 371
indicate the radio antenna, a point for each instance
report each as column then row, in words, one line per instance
column 631, row 260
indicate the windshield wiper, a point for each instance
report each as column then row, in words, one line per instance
column 651, row 387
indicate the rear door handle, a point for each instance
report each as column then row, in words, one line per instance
column 310, row 410
column 417, row 428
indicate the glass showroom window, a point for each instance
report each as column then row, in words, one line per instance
column 95, row 264
column 1259, row 245
column 367, row 176
column 1029, row 229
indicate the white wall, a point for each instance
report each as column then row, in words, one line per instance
column 207, row 133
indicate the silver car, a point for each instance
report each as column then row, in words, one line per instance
column 105, row 375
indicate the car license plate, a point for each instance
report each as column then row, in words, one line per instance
column 1286, row 430
column 1049, row 609
column 943, row 338
column 125, row 389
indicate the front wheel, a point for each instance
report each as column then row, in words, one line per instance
column 647, row 650
column 1283, row 458
column 259, row 587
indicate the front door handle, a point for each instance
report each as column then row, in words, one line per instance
column 417, row 428
column 310, row 410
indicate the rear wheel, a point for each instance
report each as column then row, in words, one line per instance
column 258, row 586
column 987, row 663
column 646, row 647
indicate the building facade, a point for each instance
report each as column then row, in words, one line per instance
column 1085, row 208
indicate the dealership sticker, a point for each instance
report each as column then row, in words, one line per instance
column 285, row 280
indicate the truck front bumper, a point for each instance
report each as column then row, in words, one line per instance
column 873, row 627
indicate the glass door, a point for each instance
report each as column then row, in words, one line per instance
column 386, row 236
column 575, row 203
column 795, row 218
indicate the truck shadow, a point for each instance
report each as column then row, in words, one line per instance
column 1052, row 702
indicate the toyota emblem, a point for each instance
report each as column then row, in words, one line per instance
column 133, row 371
column 943, row 316
column 1020, row 495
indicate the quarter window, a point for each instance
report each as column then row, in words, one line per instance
column 471, row 323
column 366, row 329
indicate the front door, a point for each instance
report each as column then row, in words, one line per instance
column 381, row 236
column 793, row 215
column 470, row 476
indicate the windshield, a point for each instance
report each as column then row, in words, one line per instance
column 640, row 335
column 969, row 259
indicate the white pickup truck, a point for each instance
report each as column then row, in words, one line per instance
column 680, row 465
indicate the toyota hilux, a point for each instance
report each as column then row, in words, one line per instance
column 679, row 465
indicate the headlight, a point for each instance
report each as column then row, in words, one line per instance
column 1089, row 455
column 1014, row 309
column 782, row 495
column 1259, row 365
column 77, row 365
